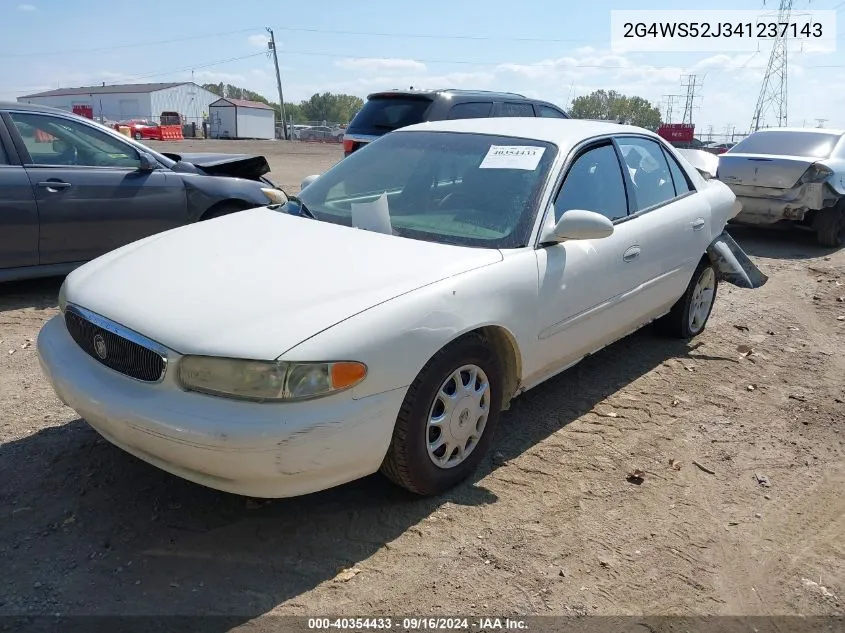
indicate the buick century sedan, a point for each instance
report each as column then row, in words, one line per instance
column 384, row 318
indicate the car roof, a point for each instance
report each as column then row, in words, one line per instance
column 30, row 107
column 452, row 92
column 561, row 132
column 807, row 130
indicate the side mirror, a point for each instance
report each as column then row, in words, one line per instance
column 146, row 162
column 307, row 181
column 577, row 224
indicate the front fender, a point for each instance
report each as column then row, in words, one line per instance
column 205, row 191
column 733, row 265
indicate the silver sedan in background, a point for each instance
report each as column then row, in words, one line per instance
column 794, row 175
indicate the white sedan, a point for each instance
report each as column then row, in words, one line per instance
column 384, row 318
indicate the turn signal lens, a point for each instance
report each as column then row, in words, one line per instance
column 345, row 375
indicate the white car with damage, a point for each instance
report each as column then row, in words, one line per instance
column 792, row 175
column 384, row 318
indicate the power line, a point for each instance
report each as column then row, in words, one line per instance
column 165, row 72
column 101, row 49
column 437, row 36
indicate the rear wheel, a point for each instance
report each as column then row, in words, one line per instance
column 690, row 314
column 448, row 419
column 830, row 226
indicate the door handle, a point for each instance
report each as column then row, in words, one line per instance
column 631, row 254
column 54, row 185
column 697, row 224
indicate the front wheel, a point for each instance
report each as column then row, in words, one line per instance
column 448, row 419
column 690, row 314
column 138, row 136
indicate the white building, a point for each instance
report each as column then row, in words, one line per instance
column 131, row 101
column 237, row 118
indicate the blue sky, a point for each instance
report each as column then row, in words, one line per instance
column 541, row 48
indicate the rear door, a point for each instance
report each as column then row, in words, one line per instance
column 671, row 222
column 18, row 209
column 91, row 195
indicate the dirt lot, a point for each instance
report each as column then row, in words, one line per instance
column 550, row 525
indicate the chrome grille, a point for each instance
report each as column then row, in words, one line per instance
column 113, row 347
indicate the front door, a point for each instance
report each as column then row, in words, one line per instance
column 18, row 211
column 92, row 197
column 586, row 284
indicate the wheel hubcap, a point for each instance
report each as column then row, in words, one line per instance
column 458, row 416
column 702, row 300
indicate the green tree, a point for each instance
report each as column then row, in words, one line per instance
column 611, row 105
column 338, row 108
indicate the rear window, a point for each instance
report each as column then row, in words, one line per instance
column 778, row 143
column 384, row 114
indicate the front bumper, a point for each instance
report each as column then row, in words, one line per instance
column 259, row 450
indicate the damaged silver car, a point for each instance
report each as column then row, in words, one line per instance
column 794, row 175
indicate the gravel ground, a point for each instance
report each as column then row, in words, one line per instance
column 550, row 524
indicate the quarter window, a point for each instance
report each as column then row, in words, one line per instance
column 679, row 178
column 648, row 170
column 594, row 183
column 552, row 113
column 57, row 141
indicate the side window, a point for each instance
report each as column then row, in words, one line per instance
column 509, row 109
column 54, row 140
column 478, row 110
column 649, row 171
column 594, row 183
column 679, row 178
column 546, row 111
column 4, row 159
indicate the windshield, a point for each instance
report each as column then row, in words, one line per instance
column 383, row 114
column 781, row 143
column 463, row 189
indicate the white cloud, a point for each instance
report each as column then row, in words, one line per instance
column 258, row 41
column 27, row 7
column 381, row 64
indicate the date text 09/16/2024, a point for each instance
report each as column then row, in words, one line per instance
column 417, row 624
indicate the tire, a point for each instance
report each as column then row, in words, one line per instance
column 680, row 322
column 830, row 226
column 408, row 462
column 138, row 136
column 224, row 208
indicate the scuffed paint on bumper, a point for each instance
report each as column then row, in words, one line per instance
column 254, row 449
column 733, row 265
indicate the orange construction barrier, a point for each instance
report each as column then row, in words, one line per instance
column 171, row 133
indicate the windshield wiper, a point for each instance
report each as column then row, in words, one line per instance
column 303, row 210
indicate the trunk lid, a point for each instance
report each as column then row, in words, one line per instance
column 777, row 172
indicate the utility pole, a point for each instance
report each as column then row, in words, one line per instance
column 272, row 46
column 709, row 133
column 690, row 100
column 773, row 92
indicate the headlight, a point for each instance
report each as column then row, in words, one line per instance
column 63, row 297
column 268, row 380
column 275, row 196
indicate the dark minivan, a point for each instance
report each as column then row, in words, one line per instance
column 390, row 110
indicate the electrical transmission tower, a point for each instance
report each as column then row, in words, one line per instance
column 773, row 92
column 670, row 106
column 690, row 98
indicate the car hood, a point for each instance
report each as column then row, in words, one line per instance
column 256, row 283
column 246, row 166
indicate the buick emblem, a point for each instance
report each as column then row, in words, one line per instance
column 100, row 346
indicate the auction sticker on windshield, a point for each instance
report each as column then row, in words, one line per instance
column 512, row 157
